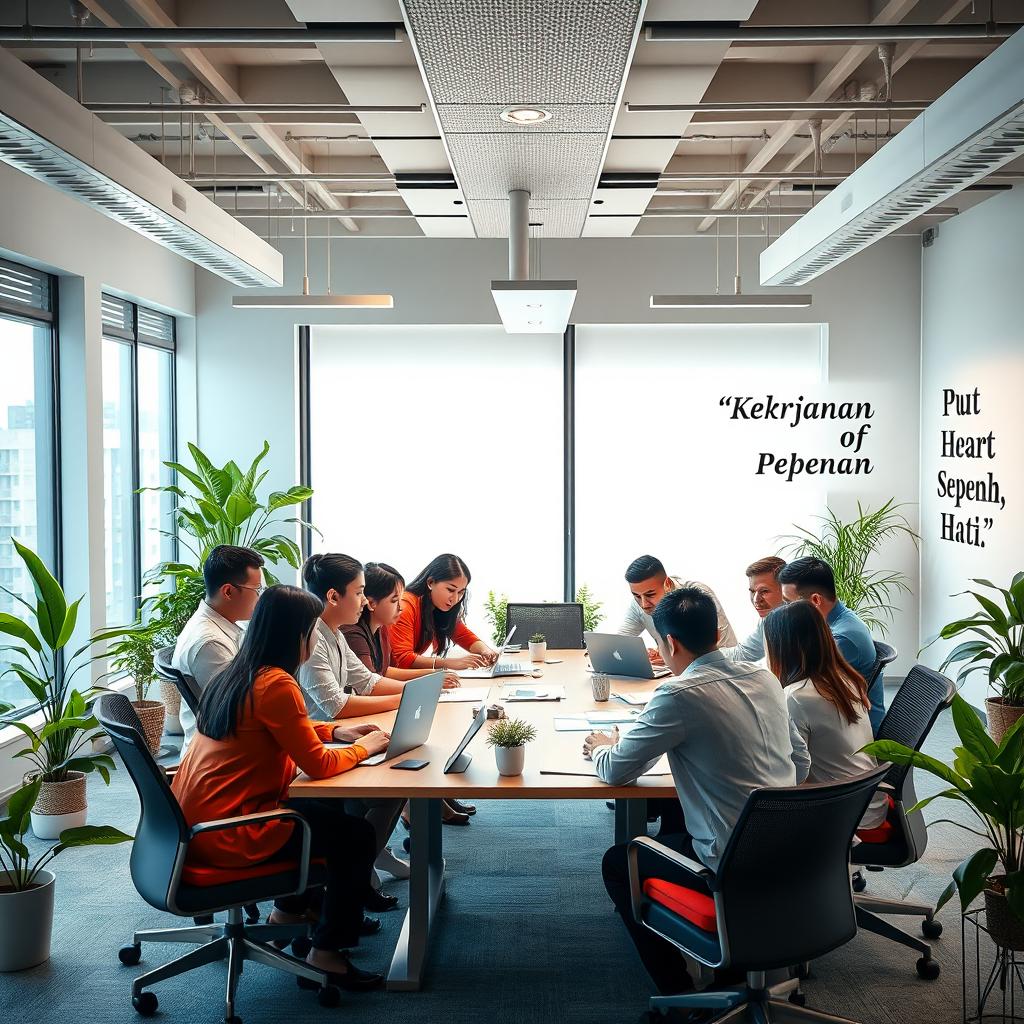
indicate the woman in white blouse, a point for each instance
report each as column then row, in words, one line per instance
column 827, row 699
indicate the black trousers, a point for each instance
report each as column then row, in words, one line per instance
column 664, row 963
column 348, row 845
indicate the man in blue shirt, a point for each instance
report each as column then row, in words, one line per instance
column 810, row 579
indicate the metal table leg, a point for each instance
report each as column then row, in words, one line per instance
column 426, row 887
column 630, row 818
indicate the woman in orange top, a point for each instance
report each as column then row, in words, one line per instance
column 433, row 610
column 253, row 736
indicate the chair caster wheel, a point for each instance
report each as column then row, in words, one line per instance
column 798, row 998
column 145, row 1004
column 329, row 996
column 927, row 969
column 301, row 947
column 130, row 955
column 859, row 882
column 931, row 929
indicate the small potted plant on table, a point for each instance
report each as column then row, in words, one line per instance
column 538, row 647
column 509, row 737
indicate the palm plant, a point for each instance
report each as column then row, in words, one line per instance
column 847, row 547
column 592, row 616
column 496, row 613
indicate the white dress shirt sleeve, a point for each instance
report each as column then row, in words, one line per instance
column 660, row 728
column 207, row 660
column 799, row 730
column 633, row 622
column 752, row 649
column 320, row 683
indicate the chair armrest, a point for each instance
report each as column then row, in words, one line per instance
column 281, row 814
column 703, row 875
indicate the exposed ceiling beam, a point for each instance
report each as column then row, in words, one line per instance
column 175, row 35
column 877, row 32
column 262, row 108
column 776, row 107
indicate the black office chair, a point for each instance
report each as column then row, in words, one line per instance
column 158, row 860
column 901, row 839
column 561, row 624
column 781, row 895
column 884, row 655
column 184, row 684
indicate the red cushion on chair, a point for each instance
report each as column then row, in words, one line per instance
column 880, row 833
column 696, row 907
column 211, row 874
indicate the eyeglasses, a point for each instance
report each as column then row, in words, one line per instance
column 256, row 590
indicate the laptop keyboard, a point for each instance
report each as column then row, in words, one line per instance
column 509, row 668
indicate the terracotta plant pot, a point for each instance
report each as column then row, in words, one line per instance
column 60, row 805
column 1006, row 929
column 151, row 713
column 1000, row 717
column 171, row 699
column 510, row 760
column 26, row 923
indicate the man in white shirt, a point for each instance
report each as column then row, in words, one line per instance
column 233, row 577
column 765, row 595
column 726, row 731
column 649, row 583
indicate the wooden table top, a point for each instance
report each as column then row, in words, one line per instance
column 481, row 780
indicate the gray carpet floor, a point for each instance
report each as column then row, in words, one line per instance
column 526, row 933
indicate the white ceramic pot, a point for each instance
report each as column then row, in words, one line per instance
column 538, row 652
column 510, row 760
column 60, row 805
column 26, row 923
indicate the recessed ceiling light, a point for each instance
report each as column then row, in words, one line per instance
column 525, row 116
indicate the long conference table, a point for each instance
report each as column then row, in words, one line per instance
column 551, row 751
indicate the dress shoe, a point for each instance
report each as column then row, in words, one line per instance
column 458, row 805
column 352, row 980
column 450, row 817
column 406, row 844
column 377, row 900
column 393, row 865
column 370, row 926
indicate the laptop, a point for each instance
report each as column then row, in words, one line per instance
column 415, row 717
column 508, row 668
column 621, row 656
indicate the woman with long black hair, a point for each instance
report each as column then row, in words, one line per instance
column 253, row 736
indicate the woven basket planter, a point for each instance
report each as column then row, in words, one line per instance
column 60, row 805
column 151, row 714
column 1000, row 717
column 1006, row 929
column 171, row 699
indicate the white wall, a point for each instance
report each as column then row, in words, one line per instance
column 972, row 337
column 871, row 306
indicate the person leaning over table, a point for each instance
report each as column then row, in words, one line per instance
column 649, row 583
column 726, row 730
column 765, row 595
column 253, row 736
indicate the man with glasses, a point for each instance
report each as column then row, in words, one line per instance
column 234, row 581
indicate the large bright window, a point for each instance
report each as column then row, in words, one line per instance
column 28, row 454
column 433, row 439
column 661, row 470
column 138, row 438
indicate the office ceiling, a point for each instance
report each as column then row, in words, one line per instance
column 443, row 165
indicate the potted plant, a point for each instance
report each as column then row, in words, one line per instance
column 496, row 613
column 846, row 547
column 592, row 617
column 538, row 647
column 133, row 654
column 988, row 778
column 26, row 886
column 999, row 651
column 60, row 748
column 509, row 737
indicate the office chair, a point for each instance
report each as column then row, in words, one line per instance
column 184, row 684
column 884, row 655
column 901, row 839
column 561, row 624
column 781, row 895
column 165, row 881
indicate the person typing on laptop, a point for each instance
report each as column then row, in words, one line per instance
column 649, row 583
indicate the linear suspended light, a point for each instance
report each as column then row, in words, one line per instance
column 730, row 301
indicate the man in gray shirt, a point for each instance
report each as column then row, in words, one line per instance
column 726, row 731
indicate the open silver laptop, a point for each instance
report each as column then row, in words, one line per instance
column 415, row 717
column 500, row 668
column 618, row 655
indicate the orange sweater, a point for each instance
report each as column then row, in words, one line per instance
column 252, row 770
column 405, row 633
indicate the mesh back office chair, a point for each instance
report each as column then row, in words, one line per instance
column 901, row 839
column 184, row 684
column 164, row 881
column 781, row 894
column 561, row 624
column 884, row 655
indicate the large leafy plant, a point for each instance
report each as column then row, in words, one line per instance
column 592, row 615
column 847, row 546
column 988, row 779
column 39, row 658
column 15, row 859
column 1000, row 651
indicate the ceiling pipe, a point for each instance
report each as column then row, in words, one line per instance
column 254, row 108
column 733, row 32
column 303, row 35
column 774, row 107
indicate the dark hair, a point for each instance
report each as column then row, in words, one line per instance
column 283, row 619
column 381, row 580
column 801, row 646
column 771, row 564
column 809, row 575
column 689, row 615
column 329, row 572
column 227, row 563
column 438, row 628
column 643, row 568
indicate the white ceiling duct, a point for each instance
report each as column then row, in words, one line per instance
column 46, row 134
column 968, row 133
column 525, row 306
